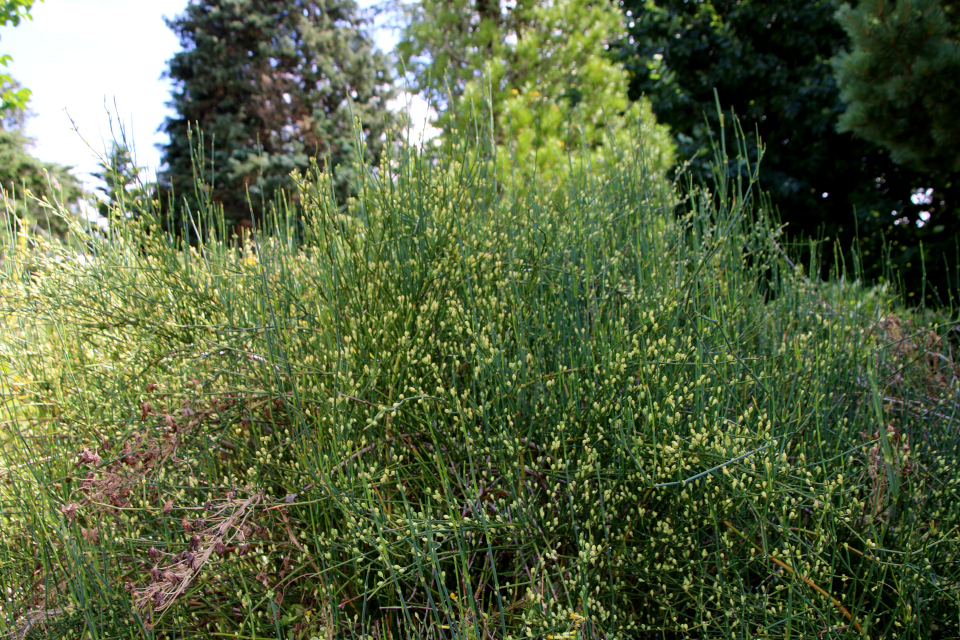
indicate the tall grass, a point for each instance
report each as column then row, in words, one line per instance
column 445, row 411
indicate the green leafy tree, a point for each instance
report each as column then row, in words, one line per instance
column 769, row 62
column 271, row 84
column 900, row 79
column 542, row 65
column 31, row 188
column 12, row 96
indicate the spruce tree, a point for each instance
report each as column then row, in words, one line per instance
column 900, row 79
column 270, row 84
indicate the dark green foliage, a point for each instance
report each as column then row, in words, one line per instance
column 769, row 62
column 24, row 180
column 901, row 80
column 271, row 84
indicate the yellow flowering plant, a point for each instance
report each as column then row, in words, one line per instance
column 457, row 409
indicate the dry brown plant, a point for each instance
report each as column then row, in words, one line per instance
column 170, row 581
column 142, row 454
column 919, row 350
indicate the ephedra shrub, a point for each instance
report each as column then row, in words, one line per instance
column 444, row 411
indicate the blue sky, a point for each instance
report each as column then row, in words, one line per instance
column 83, row 57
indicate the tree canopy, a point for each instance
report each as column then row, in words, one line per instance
column 769, row 62
column 544, row 67
column 271, row 84
column 900, row 79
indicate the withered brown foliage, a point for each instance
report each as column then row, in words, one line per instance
column 917, row 357
column 226, row 525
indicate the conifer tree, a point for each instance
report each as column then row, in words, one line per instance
column 270, row 84
column 901, row 79
column 768, row 60
column 124, row 190
column 546, row 69
column 770, row 63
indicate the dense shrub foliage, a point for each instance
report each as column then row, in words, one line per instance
column 769, row 61
column 449, row 412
